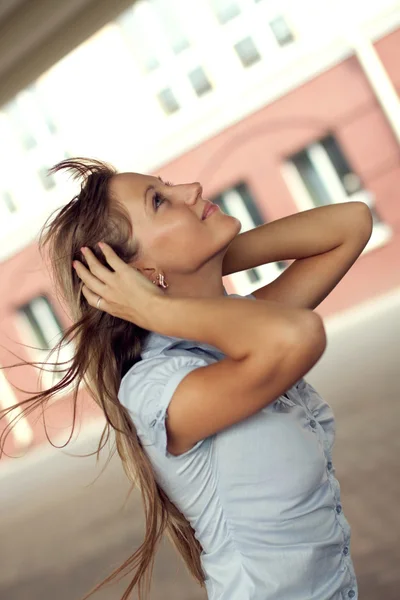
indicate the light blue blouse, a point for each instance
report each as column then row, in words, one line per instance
column 261, row 495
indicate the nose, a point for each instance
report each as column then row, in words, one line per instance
column 198, row 189
column 193, row 191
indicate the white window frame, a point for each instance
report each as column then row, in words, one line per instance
column 49, row 325
column 237, row 208
column 322, row 164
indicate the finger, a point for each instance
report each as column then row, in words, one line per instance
column 92, row 298
column 112, row 257
column 99, row 270
column 90, row 280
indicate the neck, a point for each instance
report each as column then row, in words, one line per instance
column 204, row 283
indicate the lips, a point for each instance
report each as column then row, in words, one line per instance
column 207, row 207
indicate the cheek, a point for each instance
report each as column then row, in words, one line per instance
column 179, row 229
column 181, row 239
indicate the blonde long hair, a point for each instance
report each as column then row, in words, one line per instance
column 105, row 348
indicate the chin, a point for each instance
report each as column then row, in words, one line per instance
column 238, row 226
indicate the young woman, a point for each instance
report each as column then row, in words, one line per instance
column 230, row 447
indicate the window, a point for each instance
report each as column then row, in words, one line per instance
column 47, row 179
column 51, row 126
column 171, row 24
column 281, row 31
column 154, row 27
column 168, row 101
column 8, row 201
column 239, row 202
column 321, row 174
column 225, row 10
column 27, row 140
column 136, row 24
column 325, row 172
column 350, row 181
column 247, row 52
column 21, row 127
column 199, row 81
column 42, row 329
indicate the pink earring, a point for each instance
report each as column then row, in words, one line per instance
column 161, row 281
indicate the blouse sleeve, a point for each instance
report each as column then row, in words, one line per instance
column 147, row 391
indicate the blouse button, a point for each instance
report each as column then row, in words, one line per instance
column 345, row 550
column 339, row 508
column 351, row 594
column 313, row 423
column 329, row 465
column 153, row 423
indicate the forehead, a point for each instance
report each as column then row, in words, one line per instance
column 127, row 186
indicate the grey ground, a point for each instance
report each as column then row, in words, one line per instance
column 60, row 533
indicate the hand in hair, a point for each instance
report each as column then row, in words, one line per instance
column 125, row 293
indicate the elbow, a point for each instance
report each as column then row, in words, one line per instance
column 308, row 335
column 363, row 223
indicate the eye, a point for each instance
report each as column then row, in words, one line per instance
column 158, row 196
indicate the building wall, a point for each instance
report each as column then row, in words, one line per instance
column 24, row 277
column 339, row 101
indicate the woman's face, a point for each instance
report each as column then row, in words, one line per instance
column 167, row 222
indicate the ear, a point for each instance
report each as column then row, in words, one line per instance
column 148, row 272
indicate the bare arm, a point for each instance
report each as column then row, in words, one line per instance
column 237, row 326
column 325, row 242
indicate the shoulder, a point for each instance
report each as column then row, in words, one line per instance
column 147, row 390
column 148, row 387
column 155, row 371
